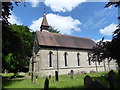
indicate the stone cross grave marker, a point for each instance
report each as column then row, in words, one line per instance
column 87, row 80
column 111, row 76
column 72, row 74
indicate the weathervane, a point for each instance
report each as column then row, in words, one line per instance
column 44, row 11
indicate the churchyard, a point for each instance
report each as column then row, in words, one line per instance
column 65, row 81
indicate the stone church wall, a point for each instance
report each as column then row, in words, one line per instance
column 58, row 62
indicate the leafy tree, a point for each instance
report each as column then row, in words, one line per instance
column 115, row 44
column 52, row 29
column 15, row 48
column 109, row 50
column 20, row 59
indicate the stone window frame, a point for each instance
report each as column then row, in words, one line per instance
column 50, row 58
column 66, row 58
column 78, row 59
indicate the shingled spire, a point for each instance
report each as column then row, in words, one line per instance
column 44, row 25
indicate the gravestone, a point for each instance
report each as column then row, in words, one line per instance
column 72, row 74
column 87, row 80
column 111, row 76
column 36, row 78
column 56, row 76
column 46, row 84
column 49, row 76
column 5, row 72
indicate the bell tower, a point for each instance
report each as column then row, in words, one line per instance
column 44, row 25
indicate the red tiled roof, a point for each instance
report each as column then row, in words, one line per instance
column 59, row 40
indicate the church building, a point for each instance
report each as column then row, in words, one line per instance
column 63, row 53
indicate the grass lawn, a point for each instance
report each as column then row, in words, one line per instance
column 64, row 81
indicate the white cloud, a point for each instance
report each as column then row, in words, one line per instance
column 58, row 5
column 108, row 30
column 34, row 3
column 14, row 19
column 64, row 24
column 63, row 5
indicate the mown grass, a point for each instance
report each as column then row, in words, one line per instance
column 64, row 81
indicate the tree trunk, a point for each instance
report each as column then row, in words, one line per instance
column 104, row 65
column 96, row 66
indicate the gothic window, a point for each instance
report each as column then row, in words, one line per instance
column 50, row 58
column 78, row 58
column 65, row 57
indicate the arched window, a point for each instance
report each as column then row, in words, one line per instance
column 50, row 58
column 78, row 58
column 65, row 57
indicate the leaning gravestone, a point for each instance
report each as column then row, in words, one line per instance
column 87, row 80
column 111, row 76
column 72, row 74
column 46, row 84
column 56, row 76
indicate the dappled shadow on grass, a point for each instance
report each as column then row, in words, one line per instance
column 7, row 81
column 104, row 80
column 70, row 88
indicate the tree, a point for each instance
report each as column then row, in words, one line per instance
column 109, row 50
column 20, row 59
column 96, row 54
column 13, row 47
column 53, row 30
column 115, row 44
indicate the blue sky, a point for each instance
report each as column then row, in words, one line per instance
column 78, row 18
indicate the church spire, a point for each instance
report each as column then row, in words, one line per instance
column 44, row 25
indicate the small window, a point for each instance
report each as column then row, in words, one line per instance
column 50, row 58
column 78, row 58
column 65, row 57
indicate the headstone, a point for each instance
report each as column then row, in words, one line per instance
column 36, row 77
column 5, row 71
column 87, row 80
column 46, row 84
column 49, row 76
column 111, row 76
column 56, row 76
column 72, row 74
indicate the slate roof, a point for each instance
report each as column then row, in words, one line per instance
column 46, row 38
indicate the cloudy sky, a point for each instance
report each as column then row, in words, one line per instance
column 73, row 17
